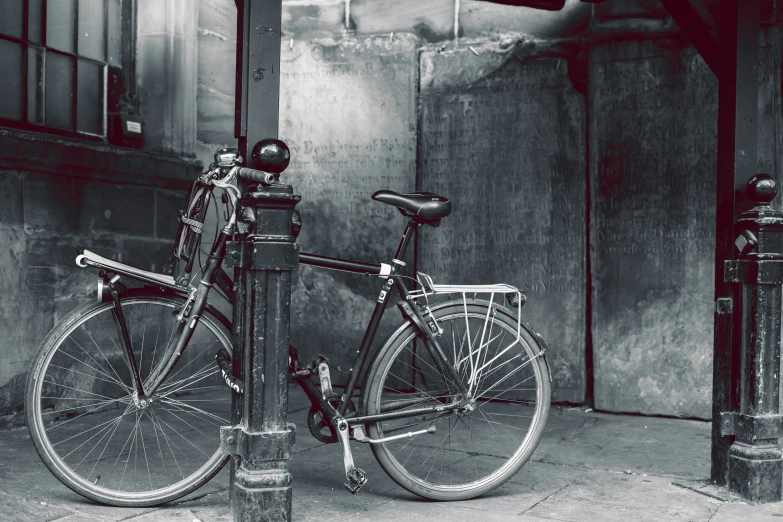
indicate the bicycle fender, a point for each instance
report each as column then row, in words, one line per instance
column 408, row 315
column 542, row 346
column 539, row 340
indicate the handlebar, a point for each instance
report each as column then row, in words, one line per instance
column 257, row 176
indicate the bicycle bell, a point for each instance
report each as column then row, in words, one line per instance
column 227, row 158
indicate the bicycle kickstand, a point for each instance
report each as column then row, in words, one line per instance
column 356, row 476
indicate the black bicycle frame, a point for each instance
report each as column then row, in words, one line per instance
column 369, row 335
column 215, row 275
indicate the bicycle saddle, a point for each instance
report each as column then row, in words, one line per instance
column 423, row 205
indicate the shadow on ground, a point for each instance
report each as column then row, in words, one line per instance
column 588, row 466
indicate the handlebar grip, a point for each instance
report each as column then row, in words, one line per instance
column 257, row 176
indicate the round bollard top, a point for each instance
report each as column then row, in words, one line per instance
column 270, row 155
column 762, row 189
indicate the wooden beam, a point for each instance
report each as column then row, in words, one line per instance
column 698, row 31
column 548, row 5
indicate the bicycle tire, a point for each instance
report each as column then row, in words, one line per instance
column 472, row 470
column 75, row 385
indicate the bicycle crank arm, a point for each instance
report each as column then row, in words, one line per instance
column 356, row 477
column 358, row 434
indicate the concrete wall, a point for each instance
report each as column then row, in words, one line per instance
column 58, row 196
column 510, row 152
column 503, row 122
column 653, row 107
column 502, row 134
column 348, row 111
column 66, row 196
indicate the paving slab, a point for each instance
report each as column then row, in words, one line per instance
column 396, row 510
column 588, row 466
column 563, row 427
column 653, row 445
column 610, row 496
column 533, row 484
column 741, row 512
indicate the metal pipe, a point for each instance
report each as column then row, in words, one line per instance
column 456, row 19
column 354, row 421
column 334, row 263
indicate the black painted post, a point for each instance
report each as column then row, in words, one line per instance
column 755, row 461
column 262, row 443
column 737, row 144
column 261, row 488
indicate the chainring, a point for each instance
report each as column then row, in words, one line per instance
column 320, row 427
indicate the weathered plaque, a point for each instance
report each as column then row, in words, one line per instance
column 503, row 136
column 654, row 150
column 348, row 113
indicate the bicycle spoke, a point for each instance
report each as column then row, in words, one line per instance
column 415, row 388
column 76, row 389
column 191, row 409
column 115, row 446
column 194, row 359
column 477, row 381
column 425, row 362
column 496, row 363
column 59, row 425
column 107, row 428
column 103, row 354
column 507, row 389
column 85, row 374
column 141, row 355
column 175, row 387
column 155, row 349
column 134, row 434
column 92, row 367
column 168, row 443
column 157, row 439
column 182, row 436
column 144, row 448
column 119, row 420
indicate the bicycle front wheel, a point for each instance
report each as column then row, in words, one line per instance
column 95, row 436
column 477, row 448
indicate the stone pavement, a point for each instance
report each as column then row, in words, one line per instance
column 588, row 466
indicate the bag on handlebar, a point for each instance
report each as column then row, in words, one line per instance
column 191, row 225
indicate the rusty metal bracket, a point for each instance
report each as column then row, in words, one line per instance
column 760, row 272
column 237, row 254
column 264, row 446
column 724, row 305
column 275, row 255
column 751, row 428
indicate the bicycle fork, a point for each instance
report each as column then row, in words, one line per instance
column 188, row 318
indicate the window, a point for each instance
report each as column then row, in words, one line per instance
column 62, row 63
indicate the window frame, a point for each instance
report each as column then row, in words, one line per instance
column 128, row 99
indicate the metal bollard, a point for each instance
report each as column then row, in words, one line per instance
column 262, row 443
column 755, row 461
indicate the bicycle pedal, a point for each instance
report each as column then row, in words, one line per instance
column 356, row 479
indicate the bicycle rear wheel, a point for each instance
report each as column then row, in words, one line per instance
column 93, row 435
column 474, row 450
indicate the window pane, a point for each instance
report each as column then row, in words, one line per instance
column 91, row 33
column 11, row 80
column 11, row 17
column 59, row 89
column 35, row 84
column 35, row 20
column 61, row 24
column 115, row 33
column 89, row 100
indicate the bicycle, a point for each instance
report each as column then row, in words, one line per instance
column 126, row 395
